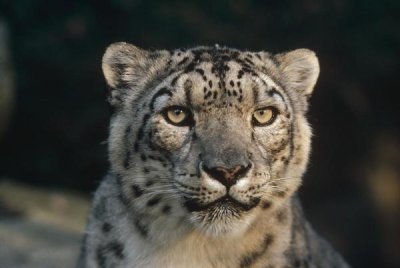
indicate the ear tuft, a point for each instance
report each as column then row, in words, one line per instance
column 300, row 70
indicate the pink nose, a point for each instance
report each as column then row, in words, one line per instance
column 227, row 176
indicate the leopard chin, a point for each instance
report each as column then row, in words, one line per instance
column 225, row 203
column 225, row 216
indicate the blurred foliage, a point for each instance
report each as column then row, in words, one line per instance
column 61, row 119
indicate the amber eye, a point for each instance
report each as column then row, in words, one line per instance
column 178, row 116
column 264, row 116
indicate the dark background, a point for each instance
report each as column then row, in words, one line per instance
column 351, row 191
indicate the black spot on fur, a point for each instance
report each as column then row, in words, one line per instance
column 194, row 136
column 209, row 93
column 200, row 71
column 162, row 91
column 190, row 67
column 282, row 216
column 136, row 190
column 127, row 160
column 166, row 209
column 249, row 61
column 141, row 228
column 141, row 129
column 274, row 91
column 168, row 65
column 255, row 94
column 101, row 257
column 215, row 94
column 240, row 74
column 113, row 247
column 188, row 87
column 153, row 201
column 117, row 248
column 135, row 148
column 124, row 201
column 106, row 227
column 280, row 194
column 128, row 152
column 291, row 142
column 173, row 82
column 266, row 204
column 250, row 259
column 149, row 183
column 183, row 61
column 235, row 54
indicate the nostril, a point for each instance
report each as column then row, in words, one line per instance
column 215, row 173
column 240, row 173
column 227, row 176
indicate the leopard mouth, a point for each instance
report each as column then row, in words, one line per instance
column 226, row 202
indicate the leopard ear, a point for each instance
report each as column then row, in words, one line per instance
column 300, row 70
column 128, row 68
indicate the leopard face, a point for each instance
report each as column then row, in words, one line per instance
column 213, row 136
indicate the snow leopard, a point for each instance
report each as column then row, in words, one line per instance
column 207, row 149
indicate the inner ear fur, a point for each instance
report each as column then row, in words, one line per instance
column 300, row 70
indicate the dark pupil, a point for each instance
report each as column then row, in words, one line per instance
column 177, row 112
column 262, row 112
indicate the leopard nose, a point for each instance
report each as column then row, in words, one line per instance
column 227, row 176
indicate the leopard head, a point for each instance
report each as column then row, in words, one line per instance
column 217, row 134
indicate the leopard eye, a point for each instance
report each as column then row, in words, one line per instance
column 178, row 116
column 264, row 116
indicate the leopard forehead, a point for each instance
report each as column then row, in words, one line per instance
column 204, row 87
column 210, row 73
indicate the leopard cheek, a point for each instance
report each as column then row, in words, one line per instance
column 168, row 137
column 274, row 139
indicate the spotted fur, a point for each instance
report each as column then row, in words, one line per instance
column 163, row 203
